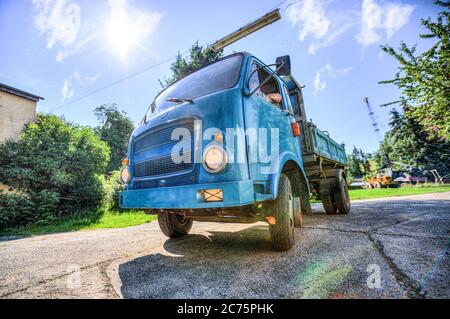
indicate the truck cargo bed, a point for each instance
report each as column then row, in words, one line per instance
column 320, row 150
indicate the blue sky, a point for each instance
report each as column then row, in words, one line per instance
column 65, row 49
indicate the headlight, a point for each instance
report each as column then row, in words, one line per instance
column 125, row 176
column 215, row 159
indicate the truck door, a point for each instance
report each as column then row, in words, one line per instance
column 267, row 111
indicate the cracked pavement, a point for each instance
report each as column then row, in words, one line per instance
column 405, row 238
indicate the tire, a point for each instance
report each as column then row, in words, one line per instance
column 298, row 213
column 341, row 197
column 378, row 185
column 329, row 204
column 369, row 186
column 174, row 225
column 282, row 208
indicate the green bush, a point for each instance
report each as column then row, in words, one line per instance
column 112, row 188
column 58, row 168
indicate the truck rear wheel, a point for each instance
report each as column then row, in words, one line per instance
column 282, row 208
column 329, row 204
column 174, row 225
column 342, row 199
column 298, row 218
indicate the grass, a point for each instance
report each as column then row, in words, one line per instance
column 401, row 191
column 109, row 219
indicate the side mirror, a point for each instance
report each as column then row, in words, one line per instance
column 285, row 63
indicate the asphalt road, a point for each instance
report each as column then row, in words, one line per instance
column 385, row 248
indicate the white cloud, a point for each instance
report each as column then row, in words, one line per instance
column 387, row 17
column 59, row 21
column 397, row 16
column 309, row 15
column 75, row 79
column 315, row 24
column 325, row 73
column 66, row 90
column 74, row 48
column 319, row 84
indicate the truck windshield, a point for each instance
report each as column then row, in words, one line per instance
column 215, row 77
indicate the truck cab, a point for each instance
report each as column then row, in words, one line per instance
column 224, row 144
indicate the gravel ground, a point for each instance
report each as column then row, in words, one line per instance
column 401, row 241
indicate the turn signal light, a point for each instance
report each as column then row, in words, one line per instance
column 295, row 129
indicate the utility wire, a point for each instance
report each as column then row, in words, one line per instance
column 117, row 82
column 277, row 5
column 141, row 71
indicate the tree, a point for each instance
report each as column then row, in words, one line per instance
column 354, row 163
column 198, row 57
column 115, row 129
column 365, row 161
column 360, row 164
column 407, row 143
column 56, row 168
column 425, row 78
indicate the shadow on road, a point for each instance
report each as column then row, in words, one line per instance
column 197, row 265
column 330, row 257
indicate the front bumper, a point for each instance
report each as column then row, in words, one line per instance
column 239, row 193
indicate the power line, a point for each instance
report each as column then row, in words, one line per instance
column 139, row 72
column 116, row 82
column 277, row 5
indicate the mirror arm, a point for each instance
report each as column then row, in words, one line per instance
column 266, row 79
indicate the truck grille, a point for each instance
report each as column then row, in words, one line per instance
column 161, row 164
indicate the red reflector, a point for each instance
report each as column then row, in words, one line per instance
column 295, row 129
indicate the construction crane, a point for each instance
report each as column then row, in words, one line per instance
column 373, row 120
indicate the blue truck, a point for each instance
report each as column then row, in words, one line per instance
column 231, row 142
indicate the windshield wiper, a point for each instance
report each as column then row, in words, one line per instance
column 179, row 100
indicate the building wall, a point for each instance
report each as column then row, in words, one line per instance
column 15, row 112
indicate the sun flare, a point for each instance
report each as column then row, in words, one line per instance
column 123, row 30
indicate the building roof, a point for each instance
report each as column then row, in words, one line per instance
column 17, row 92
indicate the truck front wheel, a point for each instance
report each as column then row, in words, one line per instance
column 174, row 225
column 282, row 208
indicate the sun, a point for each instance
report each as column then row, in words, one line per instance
column 122, row 31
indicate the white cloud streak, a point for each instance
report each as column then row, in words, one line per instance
column 384, row 17
column 325, row 73
column 75, row 79
column 316, row 25
column 321, row 25
column 59, row 21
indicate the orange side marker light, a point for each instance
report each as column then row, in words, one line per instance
column 271, row 220
column 295, row 129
